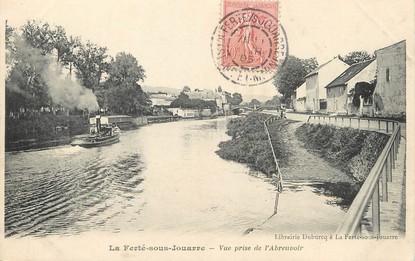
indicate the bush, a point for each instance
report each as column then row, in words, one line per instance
column 353, row 151
column 45, row 127
column 250, row 145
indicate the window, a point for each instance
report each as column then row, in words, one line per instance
column 323, row 104
column 388, row 75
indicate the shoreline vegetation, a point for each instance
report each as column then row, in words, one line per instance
column 353, row 152
column 338, row 160
column 249, row 143
column 42, row 131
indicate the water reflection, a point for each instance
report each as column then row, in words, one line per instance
column 342, row 193
column 160, row 178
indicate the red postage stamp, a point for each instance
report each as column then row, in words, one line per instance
column 249, row 43
column 250, row 34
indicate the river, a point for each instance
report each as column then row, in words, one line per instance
column 159, row 178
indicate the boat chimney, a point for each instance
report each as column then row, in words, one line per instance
column 98, row 123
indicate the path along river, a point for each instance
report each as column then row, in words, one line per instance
column 159, row 178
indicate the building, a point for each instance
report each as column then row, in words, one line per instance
column 337, row 91
column 161, row 99
column 299, row 98
column 390, row 92
column 317, row 80
column 185, row 113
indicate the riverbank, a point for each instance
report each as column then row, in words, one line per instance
column 45, row 130
column 352, row 151
column 249, row 143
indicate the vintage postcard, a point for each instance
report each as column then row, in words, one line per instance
column 207, row 130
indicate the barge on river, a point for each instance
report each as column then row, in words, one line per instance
column 103, row 131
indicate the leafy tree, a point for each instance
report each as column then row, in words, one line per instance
column 254, row 102
column 183, row 101
column 219, row 89
column 10, row 46
column 290, row 76
column 234, row 99
column 25, row 87
column 275, row 101
column 356, row 57
column 125, row 95
column 362, row 90
column 39, row 36
column 186, row 89
column 91, row 63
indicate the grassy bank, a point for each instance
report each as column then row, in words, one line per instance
column 353, row 151
column 249, row 143
column 43, row 130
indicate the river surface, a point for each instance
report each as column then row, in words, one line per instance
column 160, row 178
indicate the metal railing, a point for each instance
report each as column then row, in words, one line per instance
column 267, row 122
column 277, row 176
column 386, row 126
column 379, row 175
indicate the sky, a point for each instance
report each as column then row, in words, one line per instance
column 171, row 39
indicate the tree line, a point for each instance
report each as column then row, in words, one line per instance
column 50, row 69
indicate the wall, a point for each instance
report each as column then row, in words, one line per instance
column 337, row 99
column 139, row 121
column 328, row 73
column 390, row 94
column 311, row 93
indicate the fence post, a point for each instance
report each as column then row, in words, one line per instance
column 368, row 124
column 358, row 124
column 389, row 162
column 350, row 125
column 376, row 210
column 384, row 184
column 387, row 126
column 379, row 124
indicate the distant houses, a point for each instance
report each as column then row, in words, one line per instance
column 317, row 80
column 163, row 101
column 332, row 87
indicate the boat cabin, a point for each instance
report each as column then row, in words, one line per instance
column 108, row 121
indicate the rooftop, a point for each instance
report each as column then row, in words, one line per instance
column 348, row 74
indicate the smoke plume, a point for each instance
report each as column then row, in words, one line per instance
column 63, row 90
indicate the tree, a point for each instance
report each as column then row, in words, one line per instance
column 186, row 89
column 25, row 87
column 219, row 89
column 91, row 63
column 356, row 57
column 39, row 36
column 254, row 102
column 275, row 101
column 362, row 92
column 292, row 74
column 125, row 95
column 234, row 99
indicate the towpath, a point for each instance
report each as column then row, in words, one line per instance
column 392, row 212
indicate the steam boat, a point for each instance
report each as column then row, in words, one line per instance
column 99, row 135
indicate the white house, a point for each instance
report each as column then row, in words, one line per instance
column 338, row 90
column 299, row 98
column 317, row 80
